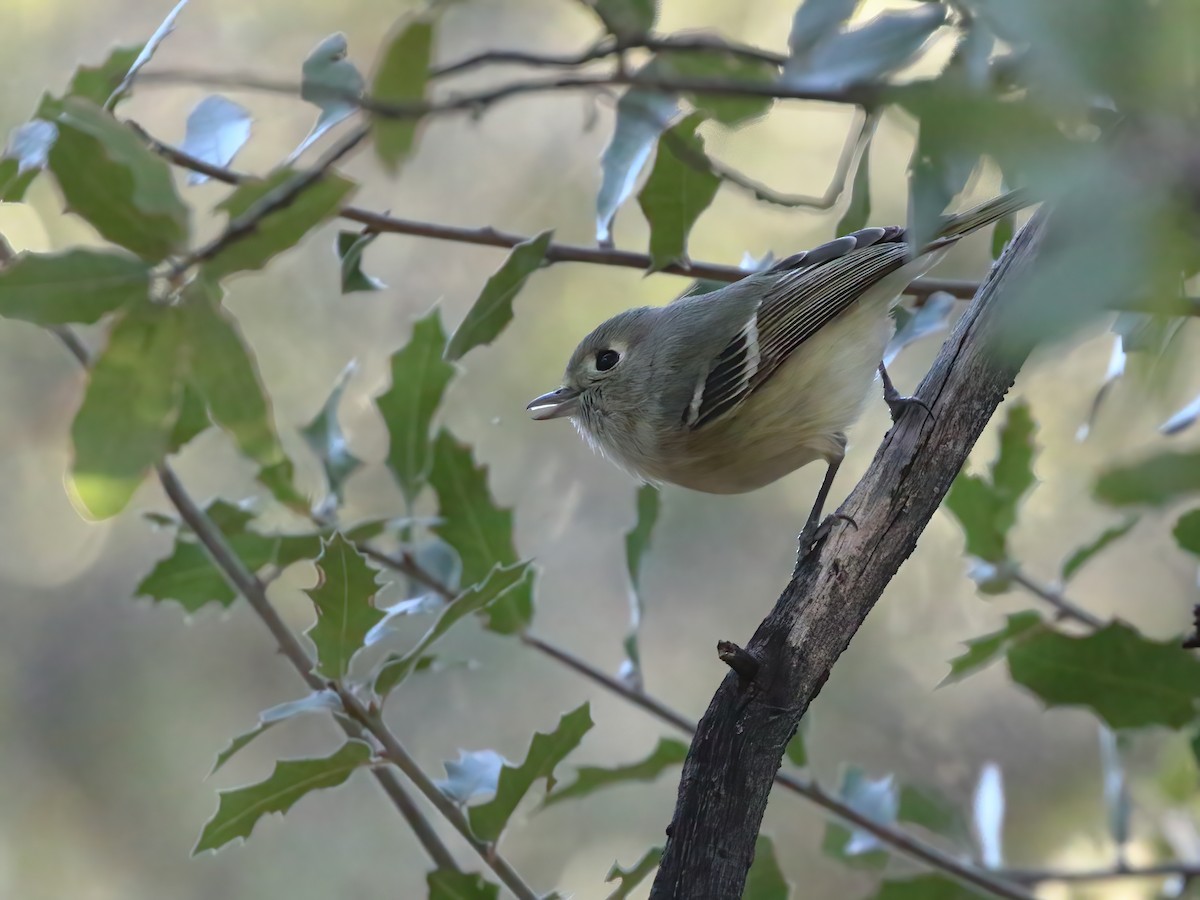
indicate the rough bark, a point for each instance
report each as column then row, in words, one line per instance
column 740, row 741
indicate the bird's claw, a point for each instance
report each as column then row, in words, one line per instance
column 899, row 404
column 817, row 531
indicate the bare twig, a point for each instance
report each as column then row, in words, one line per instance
column 1158, row 870
column 1066, row 609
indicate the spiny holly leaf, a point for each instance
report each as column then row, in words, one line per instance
column 472, row 776
column 160, row 34
column 225, row 374
column 545, row 752
column 1110, row 535
column 239, row 810
column 129, row 408
column 329, row 81
column 637, row 542
column 318, row 701
column 400, row 78
column 350, row 247
column 282, row 228
column 481, row 531
column 98, row 83
column 344, row 598
column 1155, row 481
column 589, row 779
column 1187, row 532
column 765, row 879
column 188, row 576
column 985, row 650
column 641, row 117
column 500, row 581
column 109, row 177
column 680, row 187
column 420, row 375
column 1125, row 678
column 447, row 884
column 492, row 310
column 858, row 210
column 721, row 67
column 924, row 887
column 72, row 286
column 633, row 876
column 815, row 20
column 217, row 128
column 626, row 18
column 326, row 439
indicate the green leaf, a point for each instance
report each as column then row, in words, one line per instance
column 1002, row 233
column 637, row 542
column 938, row 171
column 225, row 374
column 345, row 602
column 472, row 776
column 545, row 752
column 144, row 55
column 1012, row 472
column 318, row 701
column 217, row 128
column 721, row 67
column 110, row 178
column 193, row 419
column 400, row 78
column 815, row 20
column 98, row 83
column 1110, row 535
column 796, row 752
column 420, row 375
column 129, row 408
column 283, row 226
column 1155, row 481
column 448, row 884
column 975, row 504
column 481, row 531
column 29, row 146
column 332, row 83
column 350, row 247
column 498, row 582
column 1187, row 532
column 985, row 650
column 680, row 187
column 765, row 879
column 875, row 798
column 239, row 810
column 589, row 779
column 1125, row 678
column 924, row 887
column 641, row 117
column 626, row 18
column 858, row 210
column 836, row 841
column 932, row 811
column 633, row 876
column 74, row 286
column 326, row 439
column 492, row 311
column 13, row 182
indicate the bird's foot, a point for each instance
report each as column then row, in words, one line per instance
column 815, row 531
column 899, row 404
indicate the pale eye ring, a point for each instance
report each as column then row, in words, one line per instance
column 606, row 359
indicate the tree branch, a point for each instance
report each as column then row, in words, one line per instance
column 1066, row 608
column 1158, row 870
column 741, row 738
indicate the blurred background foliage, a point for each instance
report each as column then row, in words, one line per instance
column 112, row 710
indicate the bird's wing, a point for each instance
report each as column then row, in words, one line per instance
column 810, row 289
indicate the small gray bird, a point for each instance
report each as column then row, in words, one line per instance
column 728, row 391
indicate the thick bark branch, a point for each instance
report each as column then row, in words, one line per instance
column 740, row 741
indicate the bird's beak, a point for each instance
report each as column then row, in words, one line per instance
column 554, row 405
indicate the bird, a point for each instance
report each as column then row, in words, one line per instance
column 727, row 391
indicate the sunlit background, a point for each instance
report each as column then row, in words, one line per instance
column 112, row 709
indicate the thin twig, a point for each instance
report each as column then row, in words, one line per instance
column 1158, row 870
column 1066, row 609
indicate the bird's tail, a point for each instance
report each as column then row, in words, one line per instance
column 961, row 224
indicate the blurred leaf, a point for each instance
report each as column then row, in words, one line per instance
column 1002, row 233
column 814, row 21
column 1183, row 419
column 239, row 810
column 721, row 67
column 589, row 779
column 641, row 117
column 1012, row 472
column 500, row 581
column 974, row 503
column 988, row 815
column 858, row 210
column 837, row 840
column 477, row 528
column 318, row 701
column 99, row 83
column 350, row 247
column 874, row 798
column 1116, row 791
column 1110, row 535
column 986, row 649
column 924, row 887
column 278, row 230
column 144, row 55
column 879, row 47
column 633, row 876
column 1116, row 368
column 29, row 145
column 73, row 286
column 111, row 179
column 330, row 82
column 796, row 752
column 14, row 184
column 326, row 439
column 677, row 192
column 446, row 884
column 217, row 128
column 1154, row 481
column 637, row 543
column 344, row 599
column 400, row 78
column 930, row 318
column 129, row 408
column 932, row 811
column 626, row 18
column 765, row 879
column 1187, row 532
column 938, row 171
column 472, row 776
column 193, row 419
column 420, row 375
column 545, row 752
column 1128, row 680
column 492, row 310
column 225, row 374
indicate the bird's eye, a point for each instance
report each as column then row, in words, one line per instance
column 606, row 359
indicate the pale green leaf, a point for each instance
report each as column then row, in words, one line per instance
column 858, row 210
column 633, row 876
column 680, row 187
column 326, row 439
column 637, row 543
column 217, row 128
column 1155, row 481
column 765, row 879
column 73, row 286
column 666, row 754
column 318, row 701
column 626, row 18
column 986, row 649
column 345, row 602
column 1187, row 532
column 815, row 20
column 641, row 117
column 447, row 884
column 1102, row 541
column 332, row 83
column 350, row 247
column 400, row 78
